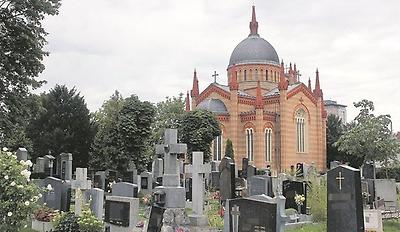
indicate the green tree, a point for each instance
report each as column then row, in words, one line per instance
column 198, row 129
column 334, row 129
column 134, row 123
column 22, row 39
column 106, row 142
column 370, row 137
column 169, row 114
column 62, row 126
column 229, row 149
column 124, row 134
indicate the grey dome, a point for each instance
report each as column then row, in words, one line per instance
column 254, row 50
column 214, row 105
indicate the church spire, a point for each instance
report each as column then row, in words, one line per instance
column 259, row 99
column 317, row 90
column 309, row 84
column 187, row 103
column 253, row 23
column 195, row 88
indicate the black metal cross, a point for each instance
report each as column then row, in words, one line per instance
column 215, row 75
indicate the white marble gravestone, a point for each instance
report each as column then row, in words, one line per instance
column 80, row 183
column 198, row 168
column 373, row 220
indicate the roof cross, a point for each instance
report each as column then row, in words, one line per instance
column 215, row 75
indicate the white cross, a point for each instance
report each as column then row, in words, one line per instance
column 80, row 183
column 340, row 178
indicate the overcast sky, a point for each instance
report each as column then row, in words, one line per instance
column 150, row 48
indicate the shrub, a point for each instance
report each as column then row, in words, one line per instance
column 89, row 223
column 66, row 222
column 316, row 198
column 18, row 196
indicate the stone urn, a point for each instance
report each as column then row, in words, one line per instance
column 41, row 226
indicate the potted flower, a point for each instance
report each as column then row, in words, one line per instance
column 299, row 199
column 42, row 218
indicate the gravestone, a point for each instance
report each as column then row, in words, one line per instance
column 38, row 167
column 131, row 175
column 48, row 165
column 100, row 180
column 64, row 166
column 386, row 189
column 121, row 213
column 189, row 188
column 96, row 198
column 227, row 179
column 198, row 169
column 260, row 185
column 156, row 219
column 368, row 170
column 157, row 168
column 215, row 165
column 59, row 197
column 257, row 213
column 345, row 207
column 175, row 194
column 334, row 164
column 80, row 184
column 214, row 180
column 251, row 171
column 289, row 191
column 22, row 154
column 125, row 189
column 146, row 183
column 373, row 220
column 245, row 165
column 299, row 170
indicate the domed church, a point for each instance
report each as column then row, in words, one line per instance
column 271, row 117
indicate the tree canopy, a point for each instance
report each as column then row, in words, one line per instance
column 124, row 134
column 63, row 125
column 22, row 39
column 229, row 149
column 198, row 129
column 370, row 137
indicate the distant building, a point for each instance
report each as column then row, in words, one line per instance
column 332, row 107
column 271, row 117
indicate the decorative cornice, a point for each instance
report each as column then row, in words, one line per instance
column 305, row 90
column 223, row 118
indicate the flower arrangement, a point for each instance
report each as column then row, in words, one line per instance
column 18, row 196
column 45, row 214
column 69, row 222
column 299, row 199
column 147, row 200
column 89, row 223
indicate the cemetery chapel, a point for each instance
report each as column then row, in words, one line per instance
column 271, row 117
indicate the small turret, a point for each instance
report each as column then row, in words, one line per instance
column 195, row 88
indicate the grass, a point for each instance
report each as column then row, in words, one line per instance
column 388, row 226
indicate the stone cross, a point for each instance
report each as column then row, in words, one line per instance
column 340, row 178
column 170, row 149
column 235, row 218
column 198, row 168
column 80, row 183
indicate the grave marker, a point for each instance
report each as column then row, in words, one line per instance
column 80, row 183
column 345, row 204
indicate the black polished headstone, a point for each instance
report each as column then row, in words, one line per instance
column 252, row 215
column 214, row 180
column 345, row 207
column 117, row 213
column 368, row 170
column 156, row 219
column 227, row 179
column 188, row 188
column 245, row 164
column 251, row 171
column 289, row 191
column 299, row 170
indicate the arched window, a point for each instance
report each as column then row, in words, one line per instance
column 301, row 130
column 245, row 75
column 217, row 148
column 275, row 76
column 256, row 75
column 249, row 144
column 266, row 75
column 240, row 76
column 268, row 144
